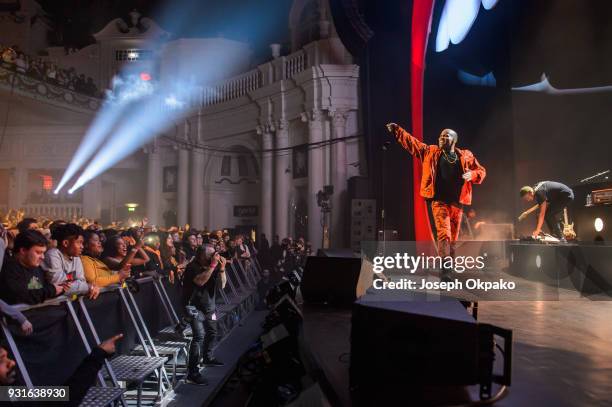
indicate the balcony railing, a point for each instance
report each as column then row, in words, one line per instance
column 294, row 64
column 54, row 211
column 278, row 69
column 232, row 88
column 26, row 85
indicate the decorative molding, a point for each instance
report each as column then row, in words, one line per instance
column 282, row 124
column 338, row 116
column 314, row 115
column 240, row 181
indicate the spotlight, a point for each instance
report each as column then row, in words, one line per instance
column 145, row 76
column 173, row 102
column 599, row 224
column 132, row 55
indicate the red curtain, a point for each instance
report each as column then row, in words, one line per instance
column 422, row 12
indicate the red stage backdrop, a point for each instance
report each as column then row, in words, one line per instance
column 422, row 12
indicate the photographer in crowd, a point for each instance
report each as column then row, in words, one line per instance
column 203, row 277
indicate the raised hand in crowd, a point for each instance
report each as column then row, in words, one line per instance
column 94, row 292
column 62, row 288
column 125, row 272
column 109, row 345
column 26, row 327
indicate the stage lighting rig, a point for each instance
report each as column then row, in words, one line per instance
column 324, row 198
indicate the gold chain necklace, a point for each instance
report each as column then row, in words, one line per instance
column 448, row 159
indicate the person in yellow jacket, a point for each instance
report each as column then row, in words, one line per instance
column 96, row 271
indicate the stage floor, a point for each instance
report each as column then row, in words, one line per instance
column 562, row 353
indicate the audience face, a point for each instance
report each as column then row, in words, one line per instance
column 193, row 241
column 73, row 246
column 94, row 245
column 7, row 368
column 199, row 240
column 121, row 247
column 32, row 257
column 31, row 226
column 170, row 241
column 176, row 237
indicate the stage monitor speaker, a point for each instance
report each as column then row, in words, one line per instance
column 335, row 280
column 400, row 347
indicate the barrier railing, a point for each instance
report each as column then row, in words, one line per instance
column 116, row 368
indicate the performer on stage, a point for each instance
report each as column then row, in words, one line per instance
column 448, row 175
column 552, row 198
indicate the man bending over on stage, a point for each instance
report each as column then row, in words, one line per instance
column 448, row 175
column 552, row 198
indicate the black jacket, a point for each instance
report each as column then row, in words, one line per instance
column 21, row 285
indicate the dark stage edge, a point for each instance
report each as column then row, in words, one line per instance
column 229, row 351
column 561, row 352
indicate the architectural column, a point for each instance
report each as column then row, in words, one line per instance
column 338, row 178
column 316, row 176
column 17, row 187
column 154, row 179
column 196, row 203
column 266, row 181
column 92, row 199
column 196, row 206
column 283, row 179
column 182, row 191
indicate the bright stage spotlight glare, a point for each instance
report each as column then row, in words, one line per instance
column 173, row 102
column 125, row 91
column 146, row 120
column 599, row 224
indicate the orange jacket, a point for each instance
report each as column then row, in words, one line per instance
column 429, row 156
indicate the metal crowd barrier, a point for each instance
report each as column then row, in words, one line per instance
column 149, row 356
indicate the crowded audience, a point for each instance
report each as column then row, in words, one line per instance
column 41, row 259
column 45, row 258
column 12, row 58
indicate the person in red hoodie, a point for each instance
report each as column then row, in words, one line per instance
column 448, row 175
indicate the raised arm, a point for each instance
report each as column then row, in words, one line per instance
column 222, row 272
column 414, row 146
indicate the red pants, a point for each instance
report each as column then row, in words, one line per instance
column 447, row 219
